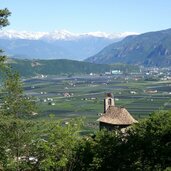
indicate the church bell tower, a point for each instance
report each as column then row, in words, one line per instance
column 108, row 101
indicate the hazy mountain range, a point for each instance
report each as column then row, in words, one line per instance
column 56, row 45
column 148, row 49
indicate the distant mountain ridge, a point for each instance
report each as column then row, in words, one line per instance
column 30, row 68
column 148, row 49
column 60, row 35
column 55, row 45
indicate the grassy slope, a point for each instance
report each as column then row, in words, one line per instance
column 62, row 66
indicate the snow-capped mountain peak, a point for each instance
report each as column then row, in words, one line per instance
column 59, row 35
column 13, row 34
column 110, row 35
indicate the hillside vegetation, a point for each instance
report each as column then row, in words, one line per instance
column 148, row 49
column 63, row 66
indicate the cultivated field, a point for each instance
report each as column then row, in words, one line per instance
column 83, row 96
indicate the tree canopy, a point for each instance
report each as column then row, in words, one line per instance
column 145, row 146
column 4, row 14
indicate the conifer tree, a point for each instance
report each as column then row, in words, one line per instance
column 15, row 132
column 4, row 14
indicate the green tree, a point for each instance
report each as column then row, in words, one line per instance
column 4, row 14
column 15, row 139
column 54, row 148
column 14, row 131
column 149, row 143
column 100, row 152
column 145, row 146
column 15, row 102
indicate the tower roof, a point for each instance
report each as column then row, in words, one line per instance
column 117, row 116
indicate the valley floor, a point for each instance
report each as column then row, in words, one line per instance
column 83, row 95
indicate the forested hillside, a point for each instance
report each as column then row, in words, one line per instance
column 62, row 66
column 148, row 49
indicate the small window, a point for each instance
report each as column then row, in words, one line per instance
column 109, row 102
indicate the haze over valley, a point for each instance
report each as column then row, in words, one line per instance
column 147, row 49
column 56, row 45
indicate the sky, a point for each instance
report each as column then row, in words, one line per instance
column 81, row 16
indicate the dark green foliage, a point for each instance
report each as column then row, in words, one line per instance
column 100, row 152
column 150, row 142
column 64, row 67
column 37, row 145
column 14, row 102
column 4, row 13
column 15, row 138
column 145, row 146
column 15, row 133
column 54, row 147
column 2, row 65
column 2, row 57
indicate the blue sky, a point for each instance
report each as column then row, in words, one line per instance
column 89, row 15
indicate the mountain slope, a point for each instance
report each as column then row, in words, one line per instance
column 55, row 45
column 29, row 68
column 40, row 49
column 148, row 49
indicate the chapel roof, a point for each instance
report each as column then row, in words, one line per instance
column 117, row 116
